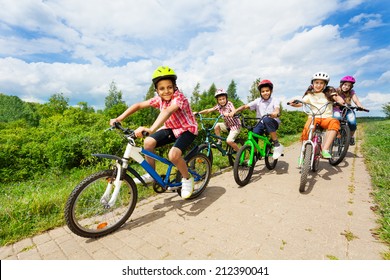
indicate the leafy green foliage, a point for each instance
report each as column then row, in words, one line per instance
column 386, row 110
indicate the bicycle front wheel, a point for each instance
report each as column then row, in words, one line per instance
column 231, row 153
column 87, row 212
column 270, row 162
column 305, row 167
column 340, row 145
column 242, row 171
column 199, row 167
column 206, row 150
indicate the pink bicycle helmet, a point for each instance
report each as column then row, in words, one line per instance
column 349, row 79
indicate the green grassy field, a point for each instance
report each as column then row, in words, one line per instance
column 31, row 207
column 376, row 150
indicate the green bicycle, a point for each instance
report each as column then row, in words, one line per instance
column 251, row 152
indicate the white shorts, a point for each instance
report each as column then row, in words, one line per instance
column 232, row 134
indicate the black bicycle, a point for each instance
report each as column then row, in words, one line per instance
column 340, row 145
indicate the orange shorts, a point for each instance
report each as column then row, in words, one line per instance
column 327, row 123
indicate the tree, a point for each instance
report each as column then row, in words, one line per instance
column 114, row 97
column 232, row 94
column 57, row 104
column 195, row 95
column 386, row 110
column 85, row 108
column 254, row 92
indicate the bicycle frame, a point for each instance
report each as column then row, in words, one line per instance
column 210, row 137
column 253, row 139
column 137, row 154
column 313, row 139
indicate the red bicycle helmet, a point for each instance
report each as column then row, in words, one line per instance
column 265, row 83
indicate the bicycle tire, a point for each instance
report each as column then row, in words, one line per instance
column 231, row 153
column 305, row 167
column 316, row 161
column 206, row 150
column 241, row 171
column 270, row 162
column 199, row 167
column 87, row 216
column 339, row 147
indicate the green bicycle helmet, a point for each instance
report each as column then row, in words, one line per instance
column 163, row 72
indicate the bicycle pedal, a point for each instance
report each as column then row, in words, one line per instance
column 173, row 189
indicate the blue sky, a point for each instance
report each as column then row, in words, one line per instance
column 79, row 47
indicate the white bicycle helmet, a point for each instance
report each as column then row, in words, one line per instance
column 321, row 76
column 220, row 92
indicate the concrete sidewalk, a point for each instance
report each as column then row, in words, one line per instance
column 267, row 219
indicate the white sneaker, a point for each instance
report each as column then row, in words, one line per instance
column 146, row 177
column 278, row 151
column 187, row 187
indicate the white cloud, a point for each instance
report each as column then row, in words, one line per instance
column 204, row 41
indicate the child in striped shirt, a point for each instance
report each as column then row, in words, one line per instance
column 231, row 124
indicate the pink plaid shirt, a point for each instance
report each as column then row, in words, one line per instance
column 232, row 123
column 182, row 119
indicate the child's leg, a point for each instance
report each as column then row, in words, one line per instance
column 271, row 126
column 351, row 119
column 217, row 130
column 332, row 125
column 231, row 138
column 157, row 139
column 175, row 154
column 220, row 127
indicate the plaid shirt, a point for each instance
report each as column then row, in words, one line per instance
column 232, row 123
column 182, row 119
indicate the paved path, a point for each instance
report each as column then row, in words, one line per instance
column 266, row 219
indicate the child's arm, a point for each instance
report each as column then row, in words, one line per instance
column 163, row 116
column 205, row 111
column 275, row 113
column 355, row 100
column 131, row 110
column 239, row 109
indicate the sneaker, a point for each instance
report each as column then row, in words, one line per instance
column 325, row 154
column 352, row 141
column 300, row 161
column 146, row 177
column 187, row 187
column 217, row 144
column 278, row 151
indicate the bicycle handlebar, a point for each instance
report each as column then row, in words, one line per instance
column 357, row 108
column 128, row 131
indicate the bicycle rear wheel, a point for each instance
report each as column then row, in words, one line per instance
column 270, row 162
column 87, row 212
column 242, row 171
column 340, row 145
column 231, row 153
column 305, row 167
column 199, row 167
column 206, row 150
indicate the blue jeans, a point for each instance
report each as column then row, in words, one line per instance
column 266, row 126
column 350, row 117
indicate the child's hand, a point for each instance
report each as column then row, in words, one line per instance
column 142, row 132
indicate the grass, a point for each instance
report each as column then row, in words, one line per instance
column 32, row 207
column 376, row 150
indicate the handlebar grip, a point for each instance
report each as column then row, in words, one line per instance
column 145, row 133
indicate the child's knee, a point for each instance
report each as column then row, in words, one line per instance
column 174, row 154
column 149, row 143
